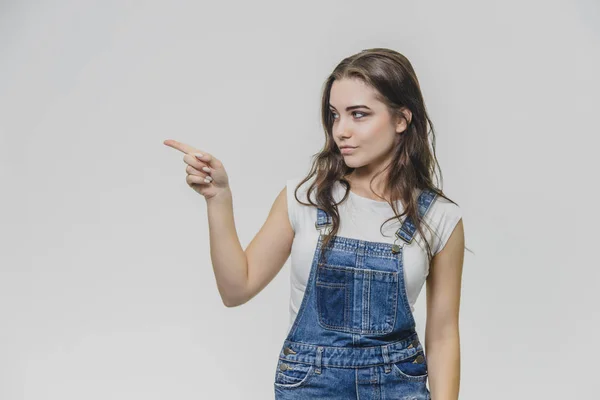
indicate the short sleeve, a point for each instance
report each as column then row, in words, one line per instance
column 445, row 216
column 292, row 204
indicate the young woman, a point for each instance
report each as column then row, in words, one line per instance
column 365, row 229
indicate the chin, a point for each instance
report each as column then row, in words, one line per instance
column 352, row 163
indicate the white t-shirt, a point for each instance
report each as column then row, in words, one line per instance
column 361, row 218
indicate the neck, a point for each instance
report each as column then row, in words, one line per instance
column 360, row 183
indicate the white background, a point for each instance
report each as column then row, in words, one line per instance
column 106, row 285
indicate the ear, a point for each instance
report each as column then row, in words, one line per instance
column 402, row 123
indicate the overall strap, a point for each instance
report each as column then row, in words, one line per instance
column 407, row 231
column 323, row 219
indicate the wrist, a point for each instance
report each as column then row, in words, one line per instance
column 221, row 196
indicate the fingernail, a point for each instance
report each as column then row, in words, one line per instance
column 198, row 155
column 206, row 169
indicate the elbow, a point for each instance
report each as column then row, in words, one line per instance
column 443, row 334
column 231, row 302
column 234, row 296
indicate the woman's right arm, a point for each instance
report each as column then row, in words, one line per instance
column 240, row 274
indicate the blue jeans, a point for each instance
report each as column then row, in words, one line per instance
column 354, row 335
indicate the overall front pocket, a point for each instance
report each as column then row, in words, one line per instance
column 292, row 375
column 354, row 300
column 413, row 368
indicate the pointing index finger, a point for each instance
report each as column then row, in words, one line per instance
column 184, row 148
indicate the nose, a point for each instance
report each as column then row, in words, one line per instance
column 340, row 130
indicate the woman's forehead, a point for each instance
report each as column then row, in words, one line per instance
column 351, row 92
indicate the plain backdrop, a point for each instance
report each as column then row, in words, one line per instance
column 106, row 285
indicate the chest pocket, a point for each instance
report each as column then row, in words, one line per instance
column 354, row 300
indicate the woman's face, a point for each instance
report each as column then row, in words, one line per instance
column 363, row 122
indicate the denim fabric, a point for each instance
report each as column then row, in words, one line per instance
column 354, row 335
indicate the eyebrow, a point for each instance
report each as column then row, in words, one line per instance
column 352, row 107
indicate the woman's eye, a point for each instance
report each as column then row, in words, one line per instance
column 362, row 114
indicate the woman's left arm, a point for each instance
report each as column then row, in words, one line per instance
column 442, row 340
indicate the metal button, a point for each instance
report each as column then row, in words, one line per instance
column 284, row 367
column 415, row 343
column 287, row 351
column 419, row 360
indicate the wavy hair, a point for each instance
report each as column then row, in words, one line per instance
column 413, row 163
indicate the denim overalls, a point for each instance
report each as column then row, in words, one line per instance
column 354, row 335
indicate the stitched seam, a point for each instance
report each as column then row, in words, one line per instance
column 362, row 270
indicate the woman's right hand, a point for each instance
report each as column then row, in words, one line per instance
column 206, row 175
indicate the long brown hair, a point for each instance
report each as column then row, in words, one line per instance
column 413, row 163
